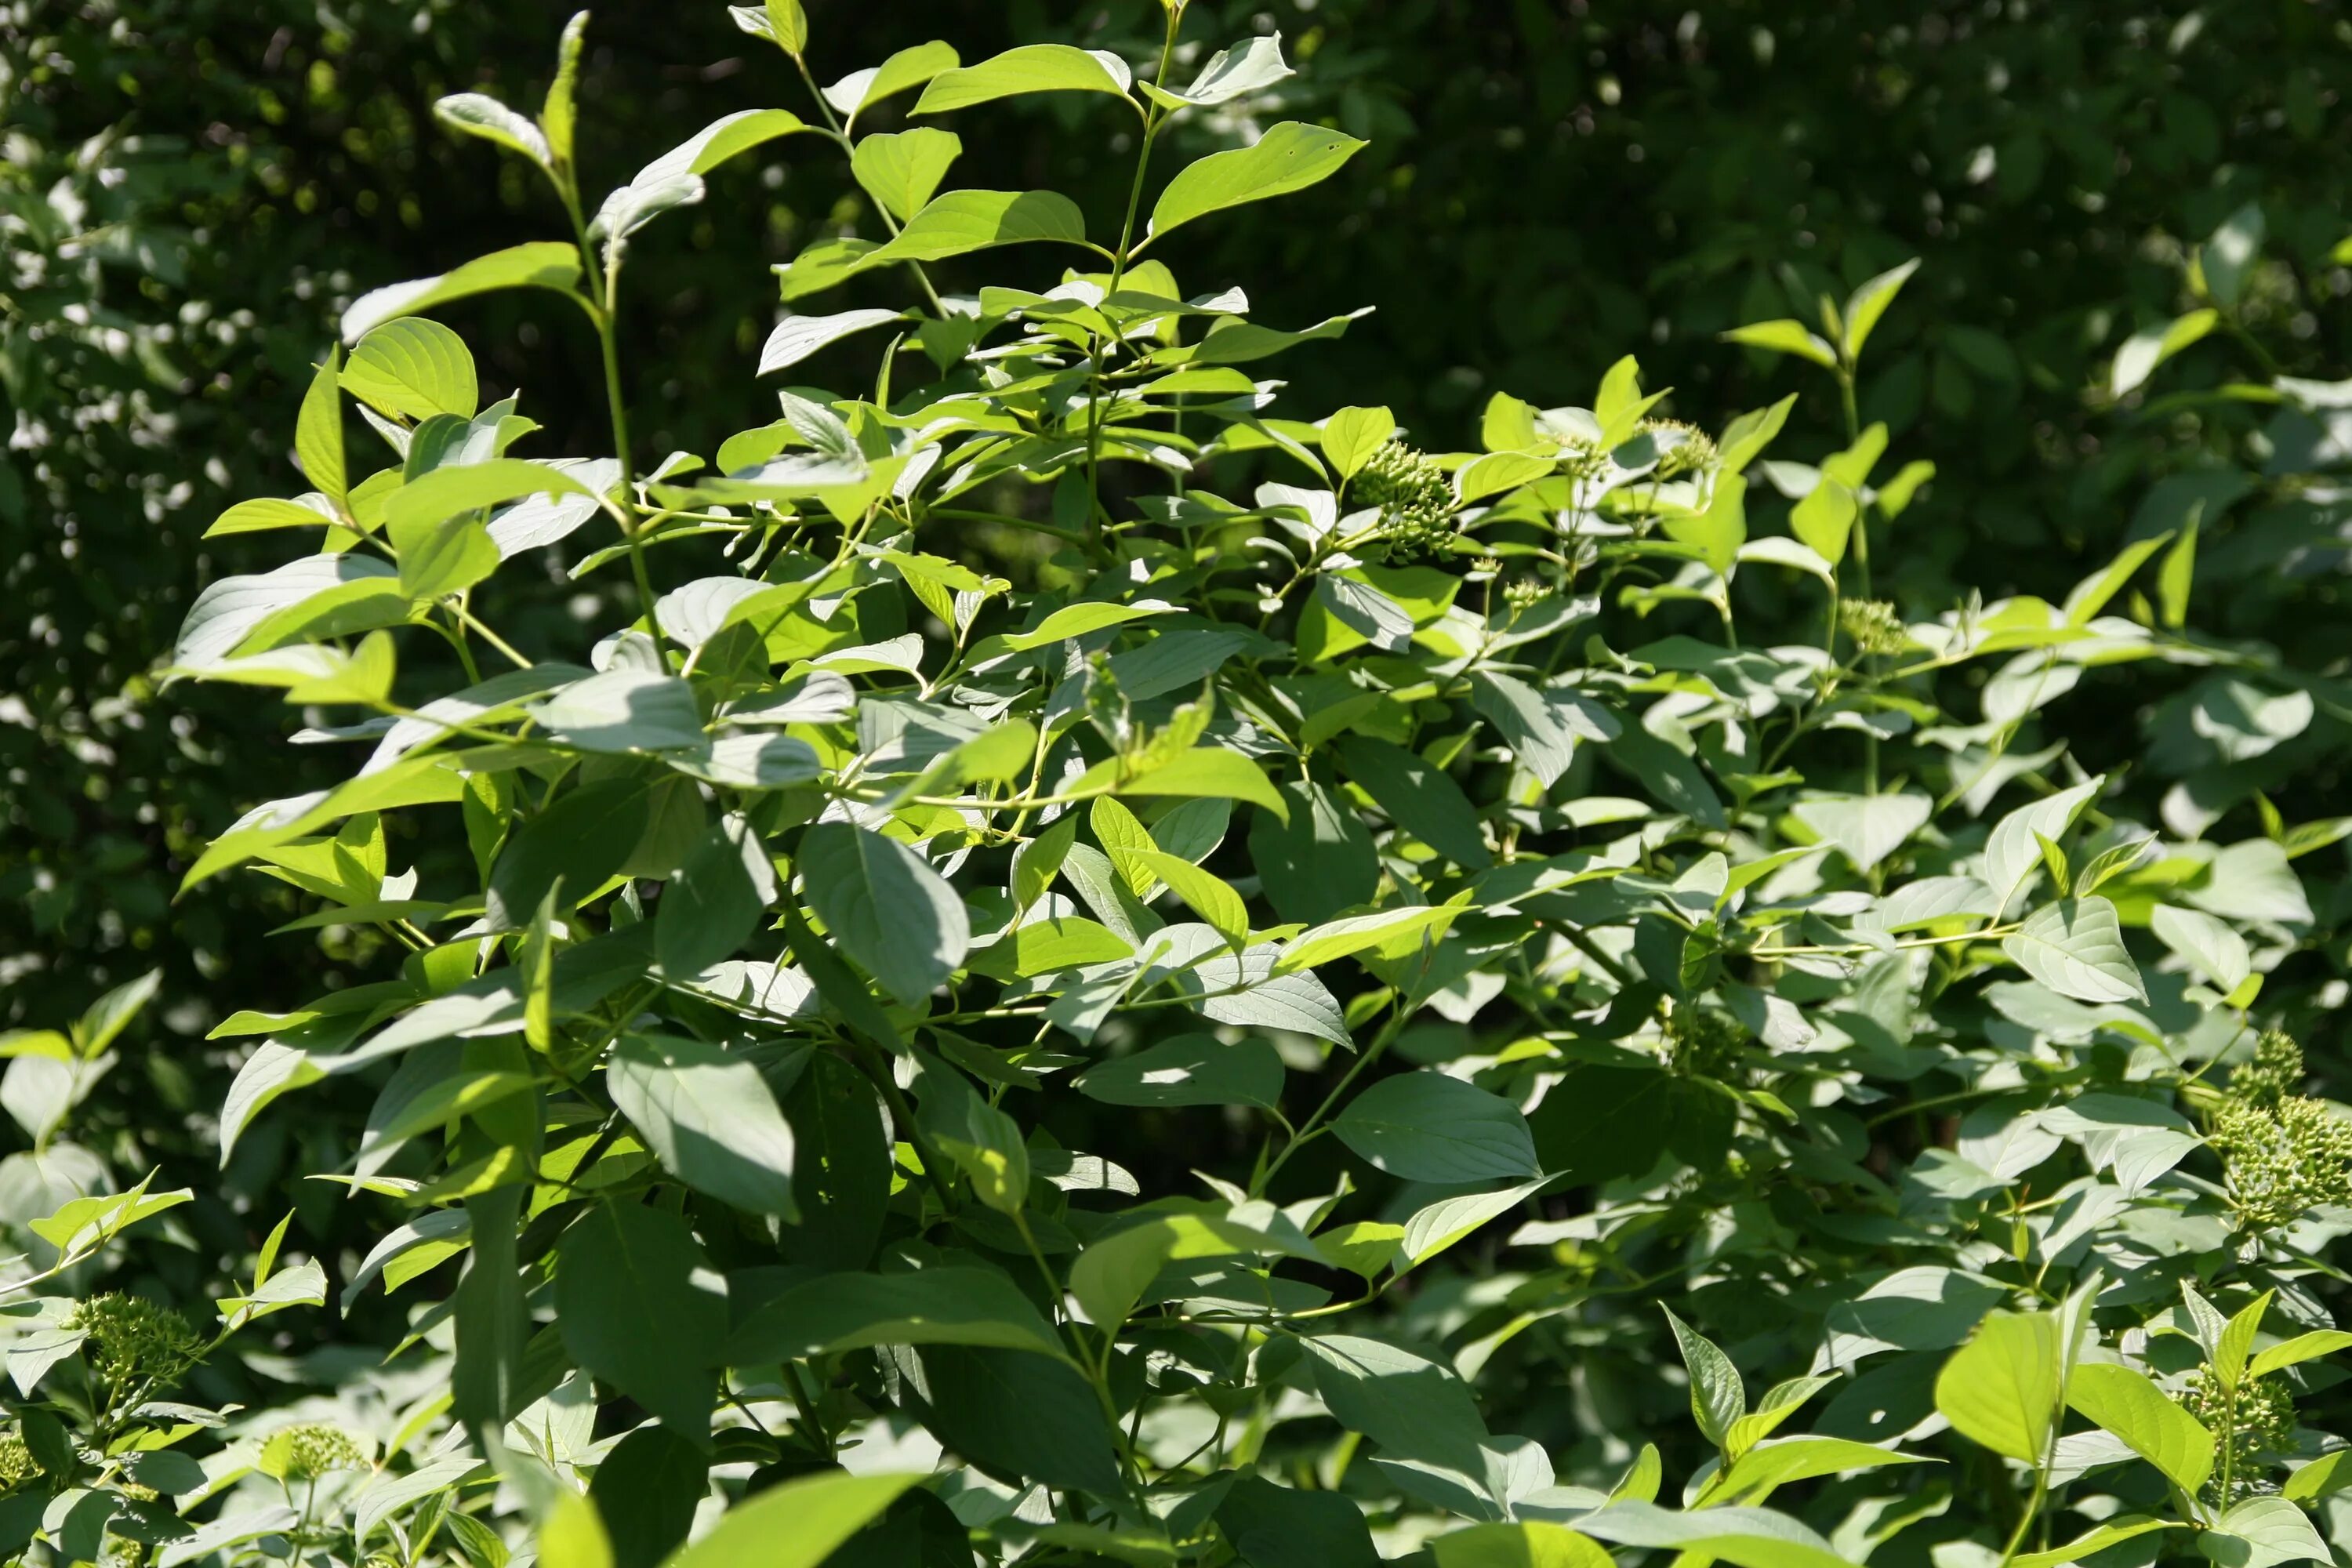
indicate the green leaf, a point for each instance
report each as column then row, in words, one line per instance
column 1492, row 473
column 319, row 433
column 542, row 264
column 983, row 1141
column 901, row 170
column 1191, row 1070
column 2235, row 1343
column 1365, row 1248
column 2301, row 1348
column 477, row 114
column 1866, row 828
column 2262, row 1532
column 2150, row 347
column 1868, row 302
column 708, row 1117
column 2227, row 259
column 108, row 1016
column 1113, row 1273
column 1317, row 859
column 2076, row 947
column 1785, row 337
column 1442, row 1225
column 965, row 221
column 638, row 1306
column 266, row 513
column 939, row 1305
column 788, row 25
column 717, row 142
column 450, row 559
column 2115, row 1531
column 2000, row 1390
column 647, row 1488
column 1542, row 724
column 795, row 1523
column 414, row 368
column 1769, row 1465
column 1530, row 1545
column 1409, row 1403
column 2211, row 947
column 444, row 492
column 1393, row 930
column 715, row 902
column 2125, row 1402
column 854, row 94
column 1206, row 894
column 1746, row 1536
column 2091, row 595
column 797, row 337
column 1276, row 1526
column 1352, row 434
column 1020, row 1414
column 1203, row 772
column 1780, row 1402
column 885, row 906
column 2014, row 847
column 559, row 114
column 573, row 1534
column 1077, row 620
column 1031, row 67
column 1248, row 67
column 1745, row 439
column 1719, row 1398
column 1824, row 520
column 2176, row 575
column 1419, row 798
column 2328, row 1474
column 1718, row 533
column 623, row 711
column 1290, row 156
column 1427, row 1127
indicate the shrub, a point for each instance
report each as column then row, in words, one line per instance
column 1093, row 948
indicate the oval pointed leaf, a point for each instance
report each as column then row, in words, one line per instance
column 1289, row 157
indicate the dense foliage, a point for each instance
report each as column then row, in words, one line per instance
column 1026, row 957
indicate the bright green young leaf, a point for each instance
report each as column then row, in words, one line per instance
column 795, row 1524
column 2000, row 1390
column 1785, row 337
column 1868, row 302
column 415, row 368
column 2113, row 1532
column 319, row 432
column 2301, row 1348
column 1530, row 1545
column 901, row 170
column 1289, row 157
column 1352, row 434
column 1719, row 1398
column 542, row 264
column 2146, row 349
column 1031, row 67
column 2125, row 1402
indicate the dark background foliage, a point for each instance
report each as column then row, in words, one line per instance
column 191, row 190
